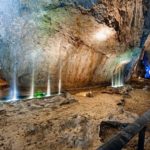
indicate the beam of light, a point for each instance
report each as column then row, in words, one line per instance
column 104, row 33
column 48, row 86
column 32, row 88
column 118, row 75
column 13, row 96
column 118, row 79
column 60, row 79
column 59, row 86
column 14, row 89
column 32, row 85
column 9, row 12
column 13, row 92
column 60, row 71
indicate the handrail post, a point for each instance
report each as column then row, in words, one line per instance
column 141, row 140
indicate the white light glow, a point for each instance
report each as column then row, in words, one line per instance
column 104, row 33
column 32, row 86
column 124, row 62
column 118, row 77
column 48, row 87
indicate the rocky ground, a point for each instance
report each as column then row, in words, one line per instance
column 71, row 122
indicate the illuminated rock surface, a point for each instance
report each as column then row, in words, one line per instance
column 70, row 33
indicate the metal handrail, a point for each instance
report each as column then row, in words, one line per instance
column 124, row 136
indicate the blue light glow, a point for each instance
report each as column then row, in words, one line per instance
column 146, row 65
column 147, row 74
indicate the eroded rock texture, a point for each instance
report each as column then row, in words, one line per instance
column 146, row 29
column 78, row 38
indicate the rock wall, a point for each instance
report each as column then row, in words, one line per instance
column 78, row 40
column 146, row 27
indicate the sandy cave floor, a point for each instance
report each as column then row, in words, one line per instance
column 70, row 123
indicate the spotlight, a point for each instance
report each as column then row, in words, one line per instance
column 104, row 33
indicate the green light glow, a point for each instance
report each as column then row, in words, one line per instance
column 39, row 94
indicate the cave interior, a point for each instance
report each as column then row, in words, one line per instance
column 74, row 73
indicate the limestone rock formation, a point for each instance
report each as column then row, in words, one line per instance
column 76, row 40
column 146, row 27
column 147, row 44
column 146, row 31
